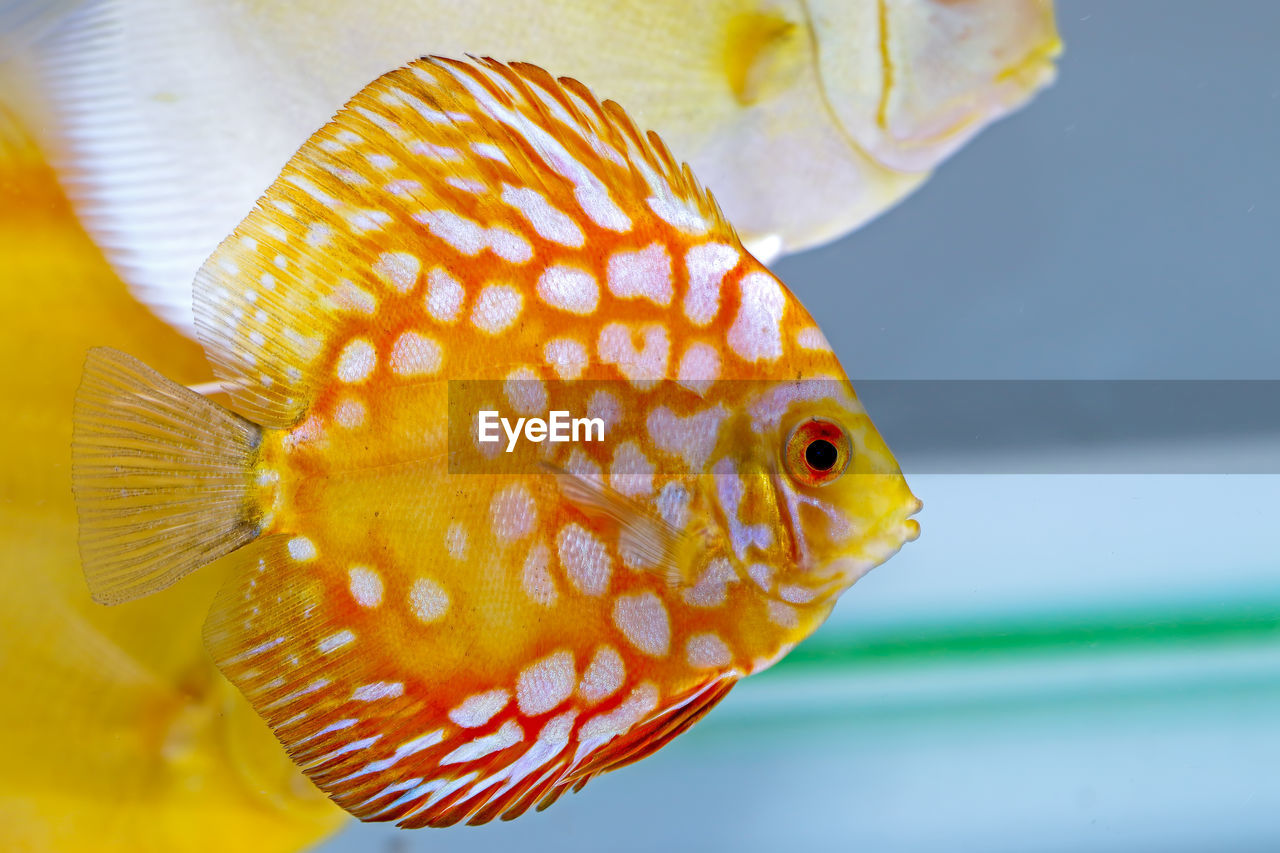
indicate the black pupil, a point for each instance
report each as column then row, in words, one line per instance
column 821, row 455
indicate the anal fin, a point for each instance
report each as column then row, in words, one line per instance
column 371, row 725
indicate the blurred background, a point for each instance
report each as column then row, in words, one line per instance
column 1080, row 653
column 1061, row 662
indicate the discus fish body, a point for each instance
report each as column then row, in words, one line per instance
column 437, row 630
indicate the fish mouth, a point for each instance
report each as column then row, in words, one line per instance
column 900, row 525
column 887, row 536
column 910, row 526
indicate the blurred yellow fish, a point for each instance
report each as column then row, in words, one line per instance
column 434, row 643
column 116, row 731
column 805, row 117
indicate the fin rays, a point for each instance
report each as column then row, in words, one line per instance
column 161, row 478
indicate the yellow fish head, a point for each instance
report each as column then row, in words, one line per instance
column 806, row 493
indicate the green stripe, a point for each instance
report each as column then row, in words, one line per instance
column 1247, row 621
column 838, row 654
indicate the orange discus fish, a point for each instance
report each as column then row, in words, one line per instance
column 436, row 641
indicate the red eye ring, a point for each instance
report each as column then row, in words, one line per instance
column 817, row 452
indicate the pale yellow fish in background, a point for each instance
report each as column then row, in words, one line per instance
column 805, row 118
column 116, row 731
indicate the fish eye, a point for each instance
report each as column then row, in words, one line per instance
column 818, row 451
column 821, row 454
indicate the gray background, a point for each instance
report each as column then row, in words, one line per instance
column 1122, row 226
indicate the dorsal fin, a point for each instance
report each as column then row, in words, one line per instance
column 438, row 150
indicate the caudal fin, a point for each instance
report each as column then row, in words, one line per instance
column 162, row 478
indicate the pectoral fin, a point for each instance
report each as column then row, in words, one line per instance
column 644, row 538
